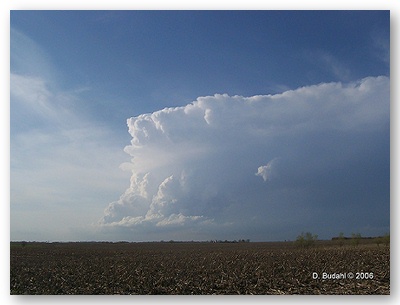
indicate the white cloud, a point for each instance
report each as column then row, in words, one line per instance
column 266, row 171
column 194, row 165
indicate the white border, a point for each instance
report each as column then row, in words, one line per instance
column 7, row 5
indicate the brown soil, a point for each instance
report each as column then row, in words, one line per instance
column 198, row 268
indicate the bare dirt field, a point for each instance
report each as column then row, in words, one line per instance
column 199, row 268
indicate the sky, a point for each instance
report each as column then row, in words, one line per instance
column 199, row 125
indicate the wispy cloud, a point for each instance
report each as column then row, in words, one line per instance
column 381, row 45
column 64, row 165
column 332, row 65
column 59, row 158
column 29, row 58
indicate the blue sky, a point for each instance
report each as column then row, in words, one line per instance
column 297, row 102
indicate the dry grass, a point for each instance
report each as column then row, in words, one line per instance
column 195, row 268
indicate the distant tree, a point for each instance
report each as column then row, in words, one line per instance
column 356, row 238
column 386, row 239
column 300, row 240
column 341, row 239
column 305, row 240
column 378, row 241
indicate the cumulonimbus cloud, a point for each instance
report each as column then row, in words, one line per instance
column 215, row 159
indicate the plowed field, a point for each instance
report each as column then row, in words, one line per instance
column 198, row 268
